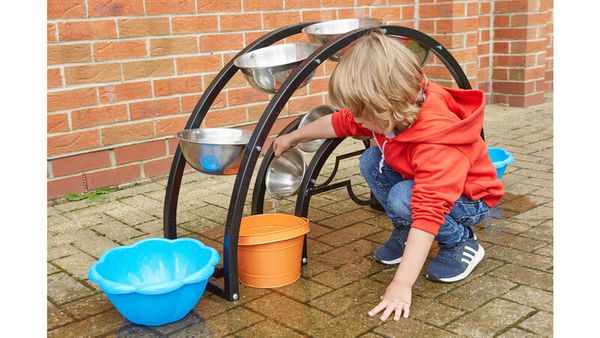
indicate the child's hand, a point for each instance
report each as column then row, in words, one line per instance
column 281, row 144
column 396, row 298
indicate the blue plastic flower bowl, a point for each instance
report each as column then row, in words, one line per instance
column 501, row 159
column 155, row 281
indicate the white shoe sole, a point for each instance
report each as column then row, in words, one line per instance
column 392, row 262
column 474, row 262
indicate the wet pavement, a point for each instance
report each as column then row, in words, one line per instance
column 508, row 295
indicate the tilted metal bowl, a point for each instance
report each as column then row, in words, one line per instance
column 323, row 32
column 285, row 174
column 309, row 117
column 267, row 68
column 216, row 151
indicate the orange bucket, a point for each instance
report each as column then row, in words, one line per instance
column 270, row 249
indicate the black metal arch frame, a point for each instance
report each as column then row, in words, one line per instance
column 225, row 279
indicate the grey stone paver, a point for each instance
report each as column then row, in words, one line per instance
column 517, row 333
column 96, row 248
column 522, row 258
column 540, row 323
column 60, row 251
column 476, row 293
column 532, row 297
column 130, row 215
column 63, row 288
column 268, row 328
column 50, row 269
column 117, row 231
column 288, row 312
column 489, row 319
column 509, row 294
column 56, row 317
column 526, row 276
column 77, row 264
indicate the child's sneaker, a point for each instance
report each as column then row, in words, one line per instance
column 455, row 261
column 391, row 252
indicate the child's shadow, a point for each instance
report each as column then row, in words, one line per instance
column 191, row 325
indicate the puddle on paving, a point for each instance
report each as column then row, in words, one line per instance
column 519, row 204
column 190, row 323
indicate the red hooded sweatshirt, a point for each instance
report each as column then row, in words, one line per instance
column 442, row 152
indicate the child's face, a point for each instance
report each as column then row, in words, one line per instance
column 373, row 124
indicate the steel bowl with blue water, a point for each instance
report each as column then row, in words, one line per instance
column 216, row 151
column 155, row 281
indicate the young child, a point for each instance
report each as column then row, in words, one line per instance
column 431, row 171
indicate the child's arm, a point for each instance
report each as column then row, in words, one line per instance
column 397, row 296
column 321, row 128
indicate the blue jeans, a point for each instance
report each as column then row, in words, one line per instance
column 394, row 193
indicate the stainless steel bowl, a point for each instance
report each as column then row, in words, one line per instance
column 323, row 32
column 216, row 151
column 285, row 174
column 309, row 117
column 267, row 68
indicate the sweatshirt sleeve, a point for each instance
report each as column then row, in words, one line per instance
column 344, row 124
column 440, row 174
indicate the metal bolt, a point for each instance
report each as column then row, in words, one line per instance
column 258, row 148
column 304, row 260
column 235, row 296
column 439, row 47
column 318, row 61
column 313, row 181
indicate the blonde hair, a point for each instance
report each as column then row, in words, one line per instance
column 378, row 77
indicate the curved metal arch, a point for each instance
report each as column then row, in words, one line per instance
column 197, row 116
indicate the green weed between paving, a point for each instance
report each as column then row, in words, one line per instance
column 98, row 195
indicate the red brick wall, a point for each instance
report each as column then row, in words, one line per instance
column 123, row 75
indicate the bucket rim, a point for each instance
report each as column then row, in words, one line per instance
column 275, row 235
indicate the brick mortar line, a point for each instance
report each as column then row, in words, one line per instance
column 174, row 57
column 112, row 167
column 165, row 97
column 122, row 123
column 519, row 81
column 130, row 81
column 106, row 147
column 59, row 156
column 532, row 53
column 146, row 58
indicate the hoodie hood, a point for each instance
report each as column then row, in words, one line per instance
column 435, row 125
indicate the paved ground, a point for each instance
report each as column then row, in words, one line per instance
column 508, row 295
